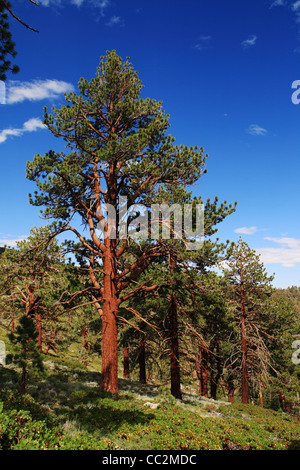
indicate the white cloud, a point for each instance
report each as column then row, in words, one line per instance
column 101, row 4
column 203, row 43
column 115, row 20
column 12, row 241
column 277, row 3
column 9, row 132
column 247, row 230
column 285, row 241
column 288, row 254
column 249, row 42
column 47, row 3
column 296, row 6
column 36, row 90
column 255, row 129
column 31, row 125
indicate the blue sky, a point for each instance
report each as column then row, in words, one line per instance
column 224, row 71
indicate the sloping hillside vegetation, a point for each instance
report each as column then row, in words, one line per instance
column 66, row 410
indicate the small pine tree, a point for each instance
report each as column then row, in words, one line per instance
column 27, row 354
column 249, row 289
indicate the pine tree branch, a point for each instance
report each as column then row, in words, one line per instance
column 19, row 19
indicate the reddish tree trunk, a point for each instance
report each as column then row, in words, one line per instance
column 214, row 379
column 174, row 346
column 281, row 401
column 85, row 343
column 245, row 393
column 198, row 370
column 202, row 371
column 174, row 357
column 142, row 361
column 230, row 385
column 39, row 327
column 126, row 373
column 109, row 370
column 260, row 391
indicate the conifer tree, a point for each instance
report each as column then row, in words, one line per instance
column 32, row 280
column 249, row 289
column 117, row 146
column 28, row 355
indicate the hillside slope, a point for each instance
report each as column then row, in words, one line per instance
column 66, row 410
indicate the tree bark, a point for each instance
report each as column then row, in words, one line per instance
column 174, row 358
column 245, row 392
column 260, row 391
column 281, row 400
column 23, row 380
column 39, row 328
column 142, row 361
column 109, row 370
column 126, row 372
column 202, row 371
column 174, row 345
column 230, row 384
column 214, row 379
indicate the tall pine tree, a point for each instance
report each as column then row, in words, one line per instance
column 116, row 146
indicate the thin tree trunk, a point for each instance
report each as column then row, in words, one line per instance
column 12, row 325
column 260, row 391
column 174, row 346
column 198, row 369
column 245, row 392
column 281, row 400
column 230, row 385
column 214, row 380
column 142, row 361
column 174, row 359
column 204, row 373
column 23, row 380
column 126, row 372
column 85, row 343
column 39, row 327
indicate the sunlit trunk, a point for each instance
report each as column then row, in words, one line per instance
column 109, row 371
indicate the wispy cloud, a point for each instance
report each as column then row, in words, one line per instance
column 249, row 42
column 296, row 6
column 246, row 230
column 255, row 129
column 31, row 125
column 287, row 254
column 36, row 90
column 204, row 42
column 277, row 3
column 99, row 4
column 293, row 5
column 115, row 21
column 9, row 241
